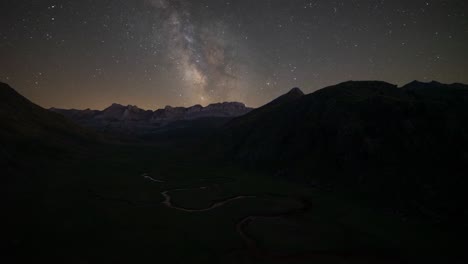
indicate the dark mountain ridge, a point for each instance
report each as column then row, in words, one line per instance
column 407, row 146
column 24, row 121
column 31, row 136
column 347, row 105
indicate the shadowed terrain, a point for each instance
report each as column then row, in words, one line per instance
column 360, row 172
column 405, row 146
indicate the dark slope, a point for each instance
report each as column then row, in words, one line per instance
column 406, row 145
column 336, row 114
column 282, row 131
column 291, row 96
column 30, row 134
column 34, row 142
column 22, row 121
column 257, row 129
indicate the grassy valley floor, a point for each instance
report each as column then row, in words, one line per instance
column 138, row 204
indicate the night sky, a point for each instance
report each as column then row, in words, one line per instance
column 151, row 53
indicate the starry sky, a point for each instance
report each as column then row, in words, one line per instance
column 151, row 53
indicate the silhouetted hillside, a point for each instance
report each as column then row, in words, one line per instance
column 405, row 145
column 32, row 138
column 251, row 118
column 24, row 125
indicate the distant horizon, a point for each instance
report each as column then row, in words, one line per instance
column 145, row 109
column 188, row 106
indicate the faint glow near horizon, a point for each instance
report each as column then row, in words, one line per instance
column 153, row 53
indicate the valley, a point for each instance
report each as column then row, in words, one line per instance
column 218, row 196
column 101, row 208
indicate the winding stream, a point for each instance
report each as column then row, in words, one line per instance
column 252, row 245
column 242, row 225
column 168, row 201
column 146, row 176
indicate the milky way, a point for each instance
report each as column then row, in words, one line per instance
column 201, row 52
column 153, row 53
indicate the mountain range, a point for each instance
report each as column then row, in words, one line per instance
column 133, row 120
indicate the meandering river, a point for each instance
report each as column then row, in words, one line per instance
column 242, row 225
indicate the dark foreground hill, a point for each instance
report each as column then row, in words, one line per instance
column 25, row 126
column 407, row 146
column 31, row 138
column 30, row 134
